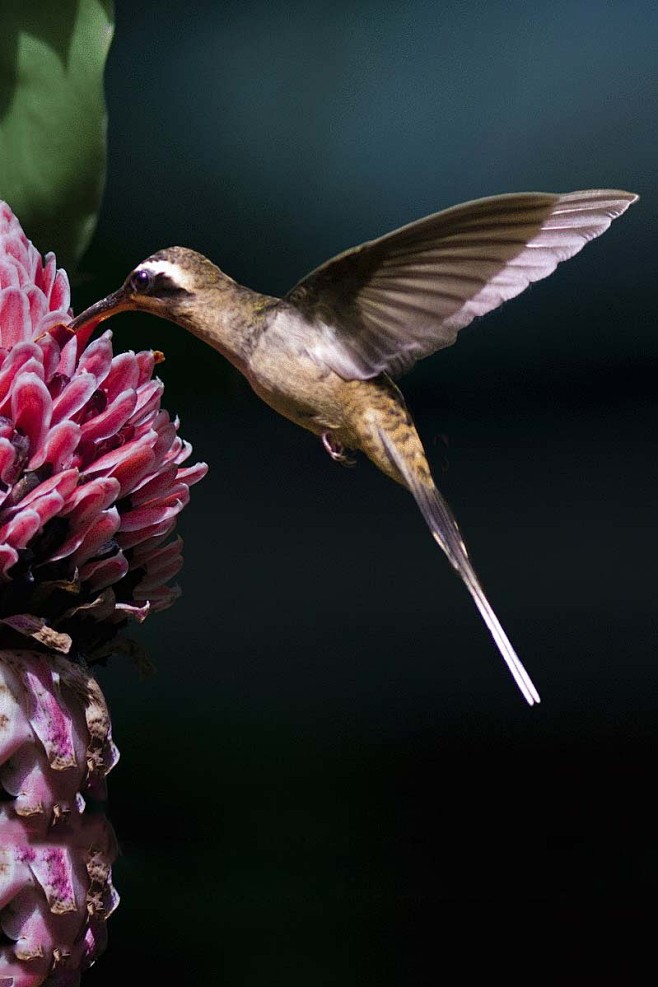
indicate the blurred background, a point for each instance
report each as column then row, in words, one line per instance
column 332, row 779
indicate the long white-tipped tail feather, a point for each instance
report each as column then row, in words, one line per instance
column 446, row 533
column 444, row 528
column 510, row 656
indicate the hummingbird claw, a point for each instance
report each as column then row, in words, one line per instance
column 336, row 450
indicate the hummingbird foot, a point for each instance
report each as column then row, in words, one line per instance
column 336, row 450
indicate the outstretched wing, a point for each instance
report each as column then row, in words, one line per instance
column 384, row 305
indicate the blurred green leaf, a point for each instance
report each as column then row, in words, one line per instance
column 52, row 118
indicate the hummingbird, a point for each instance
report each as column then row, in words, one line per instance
column 326, row 354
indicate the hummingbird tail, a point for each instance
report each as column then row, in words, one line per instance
column 446, row 533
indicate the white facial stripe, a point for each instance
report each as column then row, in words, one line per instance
column 175, row 273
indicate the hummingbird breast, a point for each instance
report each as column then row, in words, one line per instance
column 283, row 372
column 287, row 373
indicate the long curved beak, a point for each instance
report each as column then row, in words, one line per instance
column 84, row 324
column 118, row 301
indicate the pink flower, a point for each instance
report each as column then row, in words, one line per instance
column 56, row 890
column 91, row 468
column 92, row 479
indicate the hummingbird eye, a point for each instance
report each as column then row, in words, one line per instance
column 141, row 280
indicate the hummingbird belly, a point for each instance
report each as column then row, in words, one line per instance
column 301, row 393
column 284, row 375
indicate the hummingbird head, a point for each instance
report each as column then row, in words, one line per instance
column 166, row 284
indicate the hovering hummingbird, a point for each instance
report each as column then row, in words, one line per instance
column 325, row 354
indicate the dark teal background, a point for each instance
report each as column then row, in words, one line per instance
column 332, row 779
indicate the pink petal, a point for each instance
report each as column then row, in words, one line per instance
column 104, row 573
column 148, row 399
column 8, row 558
column 7, row 457
column 138, row 613
column 179, row 491
column 20, row 529
column 109, row 422
column 192, row 474
column 69, row 357
column 144, row 517
column 69, row 546
column 15, row 324
column 9, row 273
column 144, row 426
column 51, row 723
column 123, row 375
column 154, row 580
column 128, row 464
column 151, row 546
column 52, row 869
column 60, row 444
column 51, row 356
column 155, row 533
column 96, row 359
column 60, row 295
column 31, row 367
column 48, row 506
column 38, row 306
column 146, row 362
column 17, row 246
column 161, row 566
column 74, row 396
column 33, row 259
column 17, row 358
column 184, row 453
column 122, row 454
column 31, row 408
column 154, row 554
column 153, row 486
column 173, row 447
column 91, row 498
column 84, row 334
column 85, row 505
column 45, row 276
column 160, row 599
column 34, row 941
column 98, row 534
column 53, row 322
column 168, row 445
column 21, row 353
column 63, row 483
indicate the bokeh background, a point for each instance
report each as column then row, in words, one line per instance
column 332, row 779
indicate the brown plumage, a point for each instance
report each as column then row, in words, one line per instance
column 323, row 356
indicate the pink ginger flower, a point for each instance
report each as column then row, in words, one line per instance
column 91, row 474
column 92, row 478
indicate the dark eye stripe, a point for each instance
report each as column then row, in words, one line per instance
column 164, row 287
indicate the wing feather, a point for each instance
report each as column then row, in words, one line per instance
column 382, row 306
